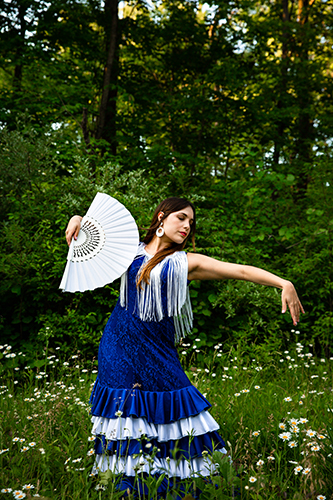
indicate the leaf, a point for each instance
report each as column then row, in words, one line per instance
column 38, row 363
column 16, row 289
column 159, row 481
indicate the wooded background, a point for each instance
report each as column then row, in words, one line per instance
column 228, row 104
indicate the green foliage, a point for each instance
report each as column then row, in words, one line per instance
column 229, row 107
column 237, row 222
column 35, row 211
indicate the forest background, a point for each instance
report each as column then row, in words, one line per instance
column 228, row 104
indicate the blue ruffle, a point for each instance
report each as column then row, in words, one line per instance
column 186, row 447
column 156, row 407
column 174, row 486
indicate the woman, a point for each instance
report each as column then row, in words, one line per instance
column 142, row 402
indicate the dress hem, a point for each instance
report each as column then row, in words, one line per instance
column 156, row 407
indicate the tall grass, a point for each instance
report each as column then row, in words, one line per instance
column 276, row 417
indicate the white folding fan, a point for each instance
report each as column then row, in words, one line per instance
column 106, row 246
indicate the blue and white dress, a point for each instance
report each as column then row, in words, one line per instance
column 143, row 404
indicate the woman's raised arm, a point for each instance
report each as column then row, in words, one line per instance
column 201, row 267
column 73, row 228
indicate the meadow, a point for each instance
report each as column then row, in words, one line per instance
column 275, row 410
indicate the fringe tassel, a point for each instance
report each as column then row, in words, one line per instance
column 149, row 300
column 184, row 321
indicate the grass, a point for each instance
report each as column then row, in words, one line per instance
column 275, row 416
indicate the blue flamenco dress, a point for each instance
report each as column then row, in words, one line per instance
column 147, row 416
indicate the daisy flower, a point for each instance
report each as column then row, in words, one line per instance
column 306, row 471
column 298, row 469
column 25, row 448
column 288, row 399
column 6, row 490
column 90, row 452
column 321, row 497
column 255, row 433
column 270, row 458
column 252, row 479
column 292, row 444
column 285, row 436
column 311, row 433
column 260, row 462
column 19, row 494
column 28, row 487
column 118, row 413
column 282, row 427
column 100, row 487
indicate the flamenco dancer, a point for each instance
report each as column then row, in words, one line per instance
column 146, row 414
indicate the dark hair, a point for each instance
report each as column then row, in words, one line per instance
column 167, row 206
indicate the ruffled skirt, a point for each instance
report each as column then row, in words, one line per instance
column 139, row 433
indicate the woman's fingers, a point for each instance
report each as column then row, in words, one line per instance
column 73, row 229
column 290, row 299
column 284, row 304
column 68, row 237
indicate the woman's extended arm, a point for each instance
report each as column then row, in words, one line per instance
column 73, row 228
column 201, row 267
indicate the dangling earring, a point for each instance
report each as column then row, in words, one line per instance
column 160, row 230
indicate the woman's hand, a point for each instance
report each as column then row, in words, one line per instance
column 290, row 299
column 73, row 228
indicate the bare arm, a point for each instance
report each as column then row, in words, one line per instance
column 73, row 228
column 201, row 267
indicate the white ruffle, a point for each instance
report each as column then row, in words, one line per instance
column 133, row 428
column 173, row 468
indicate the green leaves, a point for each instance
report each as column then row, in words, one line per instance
column 229, row 107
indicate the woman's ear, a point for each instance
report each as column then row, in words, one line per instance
column 160, row 215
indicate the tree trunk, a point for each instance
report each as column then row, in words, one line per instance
column 17, row 80
column 106, row 124
column 303, row 149
column 281, row 124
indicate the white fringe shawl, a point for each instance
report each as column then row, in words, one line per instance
column 149, row 299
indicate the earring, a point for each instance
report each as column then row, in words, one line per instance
column 160, row 230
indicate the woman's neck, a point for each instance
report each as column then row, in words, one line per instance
column 156, row 245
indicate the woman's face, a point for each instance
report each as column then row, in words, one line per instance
column 177, row 225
